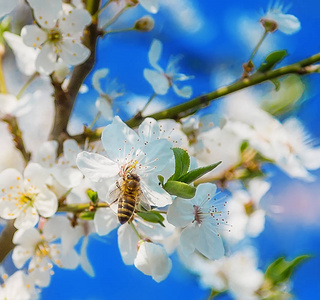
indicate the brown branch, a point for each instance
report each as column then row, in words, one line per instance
column 6, row 244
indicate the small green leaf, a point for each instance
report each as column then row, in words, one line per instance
column 276, row 83
column 161, row 179
column 280, row 270
column 244, row 146
column 272, row 59
column 197, row 173
column 93, row 196
column 151, row 216
column 87, row 215
column 180, row 189
column 182, row 163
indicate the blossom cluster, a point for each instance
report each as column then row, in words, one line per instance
column 194, row 185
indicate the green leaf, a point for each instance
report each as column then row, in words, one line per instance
column 161, row 179
column 244, row 146
column 180, row 189
column 272, row 59
column 276, row 83
column 197, row 173
column 151, row 216
column 87, row 215
column 182, row 163
column 280, row 270
column 93, row 196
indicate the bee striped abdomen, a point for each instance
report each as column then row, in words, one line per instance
column 127, row 202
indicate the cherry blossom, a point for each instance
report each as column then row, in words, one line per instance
column 41, row 249
column 146, row 155
column 58, row 35
column 161, row 80
column 26, row 196
column 286, row 23
column 200, row 219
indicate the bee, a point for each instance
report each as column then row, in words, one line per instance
column 129, row 195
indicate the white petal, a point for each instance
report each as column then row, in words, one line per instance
column 180, row 212
column 184, row 92
column 73, row 52
column 288, row 24
column 104, row 106
column 46, row 60
column 25, row 56
column 189, row 239
column 28, row 237
column 55, row 227
column 256, row 223
column 47, row 154
column 158, row 81
column 74, row 21
column 33, row 36
column 28, row 218
column 154, row 54
column 84, row 262
column 149, row 130
column 127, row 241
column 70, row 151
column 150, row 5
column 105, row 220
column 20, row 255
column 7, row 6
column 46, row 202
column 46, row 11
column 36, row 174
column 118, row 139
column 204, row 193
column 156, row 195
column 96, row 167
column 210, row 242
column 153, row 260
column 70, row 261
column 68, row 177
column 99, row 74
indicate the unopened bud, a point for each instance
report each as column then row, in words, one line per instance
column 269, row 25
column 145, row 23
column 132, row 3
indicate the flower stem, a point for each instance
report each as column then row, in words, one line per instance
column 135, row 231
column 119, row 30
column 79, row 207
column 258, row 45
column 115, row 17
column 95, row 120
column 102, row 9
column 29, row 81
column 3, row 88
column 146, row 105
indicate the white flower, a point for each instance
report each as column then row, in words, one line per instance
column 145, row 155
column 152, row 259
column 113, row 90
column 286, row 23
column 25, row 197
column 162, row 80
column 64, row 169
column 200, row 219
column 246, row 216
column 7, row 6
column 18, row 286
column 238, row 273
column 39, row 247
column 58, row 35
column 150, row 5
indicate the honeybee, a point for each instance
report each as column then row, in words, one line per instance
column 129, row 195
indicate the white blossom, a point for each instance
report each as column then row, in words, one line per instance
column 153, row 260
column 146, row 155
column 150, row 5
column 161, row 80
column 7, row 6
column 58, row 35
column 286, row 23
column 43, row 251
column 200, row 219
column 25, row 197
column 18, row 286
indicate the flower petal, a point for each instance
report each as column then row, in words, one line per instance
column 127, row 241
column 154, row 54
column 27, row 218
column 33, row 36
column 46, row 60
column 150, row 5
column 180, row 212
column 158, row 81
column 96, row 167
column 75, row 21
column 84, row 262
column 73, row 52
column 189, row 239
column 7, row 6
column 105, row 220
column 184, row 92
column 99, row 74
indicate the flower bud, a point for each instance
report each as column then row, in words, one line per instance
column 269, row 25
column 132, row 3
column 145, row 23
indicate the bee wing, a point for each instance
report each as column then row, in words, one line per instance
column 115, row 192
column 143, row 201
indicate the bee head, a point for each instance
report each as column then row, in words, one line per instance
column 133, row 176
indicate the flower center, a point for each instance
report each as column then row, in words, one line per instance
column 197, row 214
column 42, row 249
column 54, row 36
